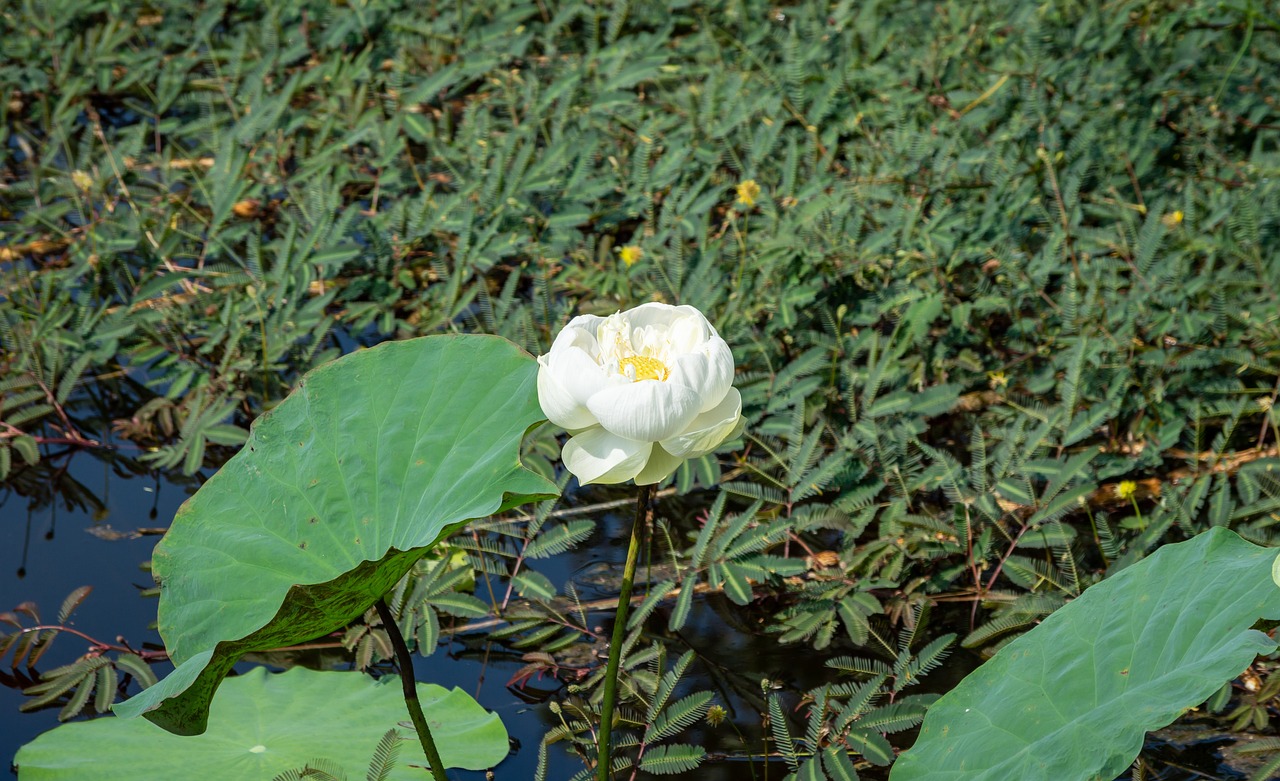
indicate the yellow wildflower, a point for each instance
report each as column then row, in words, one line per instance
column 997, row 380
column 1172, row 220
column 630, row 254
column 747, row 191
column 716, row 715
column 1126, row 489
column 82, row 180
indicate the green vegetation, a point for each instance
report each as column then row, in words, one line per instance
column 1000, row 279
column 337, row 493
column 1074, row 697
column 253, row 733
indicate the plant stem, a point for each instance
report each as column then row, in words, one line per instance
column 405, row 662
column 619, row 633
column 98, row 645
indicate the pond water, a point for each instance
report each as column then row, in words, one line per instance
column 81, row 520
column 48, row 548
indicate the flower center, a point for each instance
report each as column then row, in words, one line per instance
column 639, row 367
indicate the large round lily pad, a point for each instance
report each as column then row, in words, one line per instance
column 338, row 490
column 1073, row 698
column 261, row 725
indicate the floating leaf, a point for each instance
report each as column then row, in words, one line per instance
column 263, row 724
column 1072, row 698
column 339, row 489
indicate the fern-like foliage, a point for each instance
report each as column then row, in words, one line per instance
column 95, row 679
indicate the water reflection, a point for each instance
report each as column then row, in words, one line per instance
column 70, row 522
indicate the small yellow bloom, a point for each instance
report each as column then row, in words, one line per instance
column 1126, row 489
column 630, row 254
column 716, row 715
column 1172, row 220
column 748, row 191
column 997, row 380
column 82, row 180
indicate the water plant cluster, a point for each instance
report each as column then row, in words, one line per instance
column 999, row 279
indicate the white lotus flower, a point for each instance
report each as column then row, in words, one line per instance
column 640, row 391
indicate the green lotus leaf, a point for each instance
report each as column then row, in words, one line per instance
column 1073, row 698
column 261, row 725
column 338, row 490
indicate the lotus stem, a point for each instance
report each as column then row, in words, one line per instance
column 405, row 662
column 603, row 755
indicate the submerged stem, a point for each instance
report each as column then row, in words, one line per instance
column 619, row 633
column 405, row 662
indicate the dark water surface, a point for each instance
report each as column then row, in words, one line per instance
column 48, row 548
